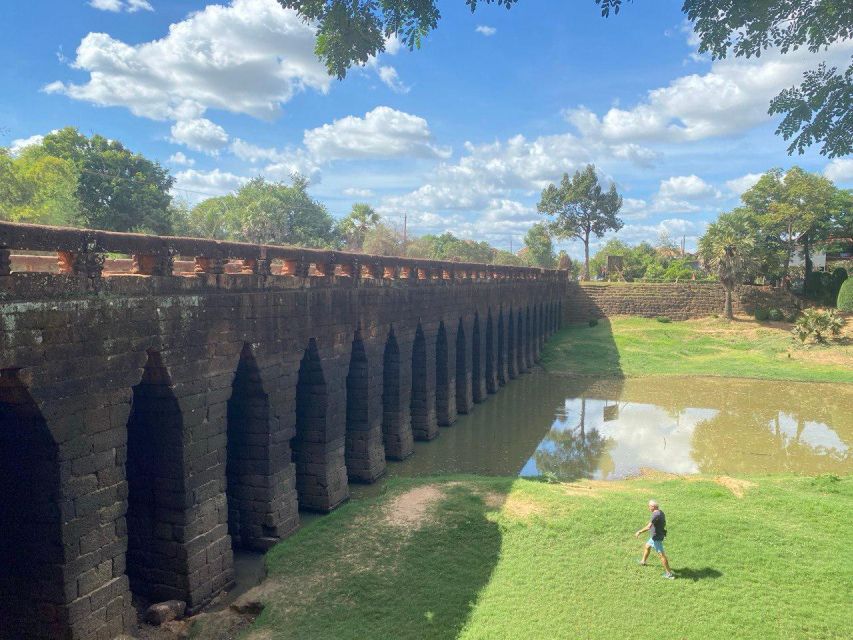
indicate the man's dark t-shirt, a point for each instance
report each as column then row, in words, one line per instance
column 658, row 529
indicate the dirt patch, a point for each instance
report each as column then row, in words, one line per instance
column 736, row 486
column 409, row 510
column 520, row 508
column 653, row 474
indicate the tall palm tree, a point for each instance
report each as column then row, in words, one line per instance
column 727, row 247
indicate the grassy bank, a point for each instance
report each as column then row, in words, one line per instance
column 710, row 347
column 501, row 558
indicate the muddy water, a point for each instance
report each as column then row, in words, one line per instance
column 611, row 429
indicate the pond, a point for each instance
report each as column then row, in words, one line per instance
column 616, row 428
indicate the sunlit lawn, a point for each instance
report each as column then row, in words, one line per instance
column 743, row 348
column 497, row 558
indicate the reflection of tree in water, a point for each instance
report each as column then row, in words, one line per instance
column 572, row 453
column 755, row 442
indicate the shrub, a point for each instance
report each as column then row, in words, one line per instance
column 845, row 296
column 663, row 319
column 593, row 322
column 761, row 314
column 817, row 324
column 775, row 314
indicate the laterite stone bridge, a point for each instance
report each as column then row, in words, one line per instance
column 161, row 408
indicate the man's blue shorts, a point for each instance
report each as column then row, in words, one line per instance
column 657, row 545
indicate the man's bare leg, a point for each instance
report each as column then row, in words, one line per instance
column 664, row 560
column 646, row 550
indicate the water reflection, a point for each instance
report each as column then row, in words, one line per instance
column 610, row 429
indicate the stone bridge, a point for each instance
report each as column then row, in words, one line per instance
column 164, row 400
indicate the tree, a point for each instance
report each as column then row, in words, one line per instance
column 820, row 110
column 117, row 190
column 381, row 240
column 215, row 218
column 355, row 226
column 540, row 249
column 38, row 188
column 277, row 213
column 728, row 247
column 793, row 207
column 581, row 209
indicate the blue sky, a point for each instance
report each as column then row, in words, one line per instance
column 461, row 135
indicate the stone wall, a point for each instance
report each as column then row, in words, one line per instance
column 678, row 301
column 150, row 421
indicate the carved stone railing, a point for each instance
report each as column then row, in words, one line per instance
column 84, row 252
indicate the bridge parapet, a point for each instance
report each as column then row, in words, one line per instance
column 86, row 252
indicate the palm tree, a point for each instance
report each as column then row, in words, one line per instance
column 727, row 247
column 355, row 226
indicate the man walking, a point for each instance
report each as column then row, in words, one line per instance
column 657, row 532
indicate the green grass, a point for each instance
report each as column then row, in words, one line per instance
column 627, row 346
column 499, row 558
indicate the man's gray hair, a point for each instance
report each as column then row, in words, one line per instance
column 654, row 503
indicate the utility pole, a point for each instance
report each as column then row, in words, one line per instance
column 510, row 244
column 405, row 230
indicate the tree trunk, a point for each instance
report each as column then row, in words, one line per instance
column 807, row 256
column 728, row 305
column 586, row 256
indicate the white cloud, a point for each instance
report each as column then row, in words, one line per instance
column 383, row 132
column 22, row 143
column 744, row 183
column 683, row 193
column 180, row 159
column 633, row 209
column 115, row 6
column 198, row 185
column 138, row 5
column 250, row 57
column 389, row 76
column 106, row 5
column 675, row 228
column 840, row 170
column 200, row 134
column 486, row 30
column 494, row 171
column 358, row 193
column 732, row 97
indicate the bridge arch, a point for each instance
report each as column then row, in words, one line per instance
column 31, row 544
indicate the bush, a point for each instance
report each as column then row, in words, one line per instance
column 817, row 324
column 761, row 314
column 663, row 319
column 845, row 296
column 775, row 314
column 593, row 322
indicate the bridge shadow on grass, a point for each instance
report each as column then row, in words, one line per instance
column 686, row 573
column 583, row 350
column 387, row 570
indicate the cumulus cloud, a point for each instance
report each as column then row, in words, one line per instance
column 383, row 132
column 744, row 183
column 485, row 30
column 115, row 6
column 198, row 185
column 22, row 143
column 840, row 170
column 389, row 76
column 732, row 97
column 200, row 134
column 354, row 192
column 180, row 159
column 494, row 171
column 250, row 57
column 683, row 193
